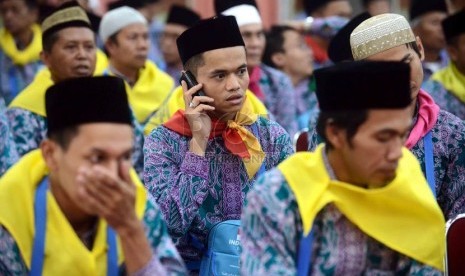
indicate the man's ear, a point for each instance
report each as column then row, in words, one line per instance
column 335, row 135
column 278, row 59
column 420, row 48
column 44, row 56
column 452, row 52
column 50, row 153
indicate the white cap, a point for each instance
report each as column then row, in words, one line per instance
column 380, row 33
column 117, row 19
column 245, row 14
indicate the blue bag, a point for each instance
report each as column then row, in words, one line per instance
column 223, row 253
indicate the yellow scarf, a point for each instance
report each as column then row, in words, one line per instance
column 150, row 90
column 404, row 215
column 32, row 98
column 22, row 57
column 65, row 254
column 175, row 102
column 452, row 80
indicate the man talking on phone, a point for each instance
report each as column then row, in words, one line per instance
column 201, row 163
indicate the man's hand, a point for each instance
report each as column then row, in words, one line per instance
column 110, row 196
column 200, row 123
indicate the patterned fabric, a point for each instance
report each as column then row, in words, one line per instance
column 194, row 192
column 174, row 73
column 29, row 129
column 272, row 229
column 15, row 78
column 306, row 102
column 279, row 97
column 446, row 100
column 449, row 161
column 8, row 153
column 166, row 259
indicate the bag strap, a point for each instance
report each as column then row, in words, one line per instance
column 305, row 254
column 38, row 249
column 40, row 218
column 429, row 161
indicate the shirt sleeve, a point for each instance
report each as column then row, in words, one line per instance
column 166, row 259
column 28, row 129
column 8, row 153
column 178, row 179
column 269, row 235
column 11, row 262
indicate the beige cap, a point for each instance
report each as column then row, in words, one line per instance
column 380, row 33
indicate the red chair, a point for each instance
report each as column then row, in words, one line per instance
column 301, row 140
column 455, row 246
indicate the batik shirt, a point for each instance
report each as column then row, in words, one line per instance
column 8, row 153
column 14, row 78
column 279, row 97
column 306, row 102
column 449, row 161
column 194, row 192
column 165, row 260
column 446, row 100
column 272, row 230
column 29, row 129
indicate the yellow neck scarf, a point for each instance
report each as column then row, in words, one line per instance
column 403, row 215
column 150, row 90
column 32, row 98
column 254, row 155
column 63, row 249
column 452, row 80
column 22, row 57
column 175, row 102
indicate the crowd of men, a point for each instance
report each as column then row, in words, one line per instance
column 124, row 145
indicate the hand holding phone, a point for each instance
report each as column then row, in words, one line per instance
column 190, row 80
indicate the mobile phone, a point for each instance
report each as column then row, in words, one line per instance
column 190, row 80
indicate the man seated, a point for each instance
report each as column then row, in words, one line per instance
column 75, row 206
column 124, row 31
column 287, row 51
column 200, row 164
column 361, row 194
column 20, row 46
column 69, row 51
column 447, row 86
column 179, row 19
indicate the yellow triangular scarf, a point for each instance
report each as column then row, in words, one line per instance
column 32, row 98
column 403, row 215
column 452, row 80
column 175, row 102
column 22, row 57
column 150, row 90
column 65, row 254
column 246, row 117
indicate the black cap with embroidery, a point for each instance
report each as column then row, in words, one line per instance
column 209, row 34
column 339, row 47
column 454, row 25
column 222, row 5
column 182, row 16
column 85, row 100
column 363, row 85
column 421, row 7
column 69, row 14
